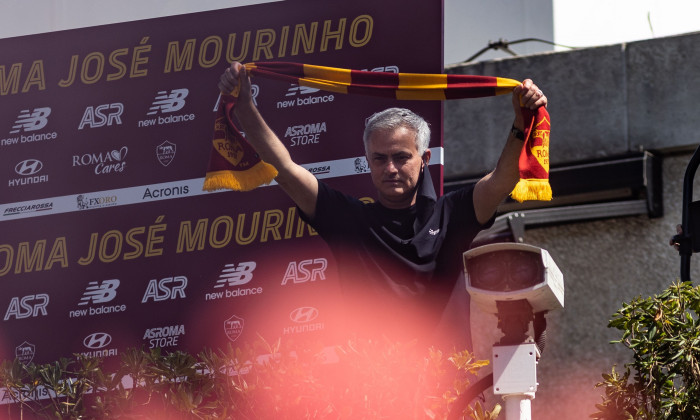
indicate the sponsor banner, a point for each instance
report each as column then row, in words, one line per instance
column 171, row 190
column 107, row 240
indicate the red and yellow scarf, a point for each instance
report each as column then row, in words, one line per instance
column 234, row 164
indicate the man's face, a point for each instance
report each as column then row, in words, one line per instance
column 395, row 166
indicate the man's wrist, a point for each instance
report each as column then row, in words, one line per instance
column 517, row 133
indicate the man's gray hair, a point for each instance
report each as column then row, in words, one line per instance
column 393, row 118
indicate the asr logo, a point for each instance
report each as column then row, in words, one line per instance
column 27, row 306
column 165, row 289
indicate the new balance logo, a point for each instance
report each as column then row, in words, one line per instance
column 300, row 90
column 31, row 120
column 385, row 69
column 100, row 292
column 169, row 102
column 233, row 275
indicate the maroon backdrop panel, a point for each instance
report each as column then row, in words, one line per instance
column 106, row 238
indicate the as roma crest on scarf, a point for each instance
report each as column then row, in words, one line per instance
column 233, row 327
column 227, row 144
column 534, row 159
column 233, row 162
column 540, row 143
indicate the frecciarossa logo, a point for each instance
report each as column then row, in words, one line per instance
column 318, row 170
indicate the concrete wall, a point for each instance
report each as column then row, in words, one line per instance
column 604, row 102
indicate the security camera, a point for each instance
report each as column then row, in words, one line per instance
column 509, row 272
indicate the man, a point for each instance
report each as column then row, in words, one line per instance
column 399, row 258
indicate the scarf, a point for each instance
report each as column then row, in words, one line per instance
column 235, row 165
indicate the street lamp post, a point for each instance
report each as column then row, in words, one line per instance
column 519, row 283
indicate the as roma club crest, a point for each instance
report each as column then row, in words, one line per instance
column 25, row 352
column 165, row 152
column 233, row 327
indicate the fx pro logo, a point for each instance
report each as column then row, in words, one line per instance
column 168, row 102
column 31, row 120
column 236, row 275
column 100, row 292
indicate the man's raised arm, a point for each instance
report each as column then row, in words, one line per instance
column 490, row 191
column 297, row 182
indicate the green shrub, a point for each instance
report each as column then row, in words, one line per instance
column 663, row 380
column 370, row 380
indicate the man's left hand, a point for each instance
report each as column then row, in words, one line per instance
column 527, row 95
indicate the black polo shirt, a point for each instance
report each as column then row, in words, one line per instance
column 397, row 268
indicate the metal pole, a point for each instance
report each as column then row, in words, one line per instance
column 518, row 407
column 686, row 242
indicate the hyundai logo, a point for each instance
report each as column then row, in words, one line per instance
column 28, row 167
column 97, row 340
column 303, row 314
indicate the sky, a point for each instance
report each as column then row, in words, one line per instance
column 603, row 22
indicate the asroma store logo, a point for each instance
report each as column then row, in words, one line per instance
column 305, row 134
column 164, row 336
